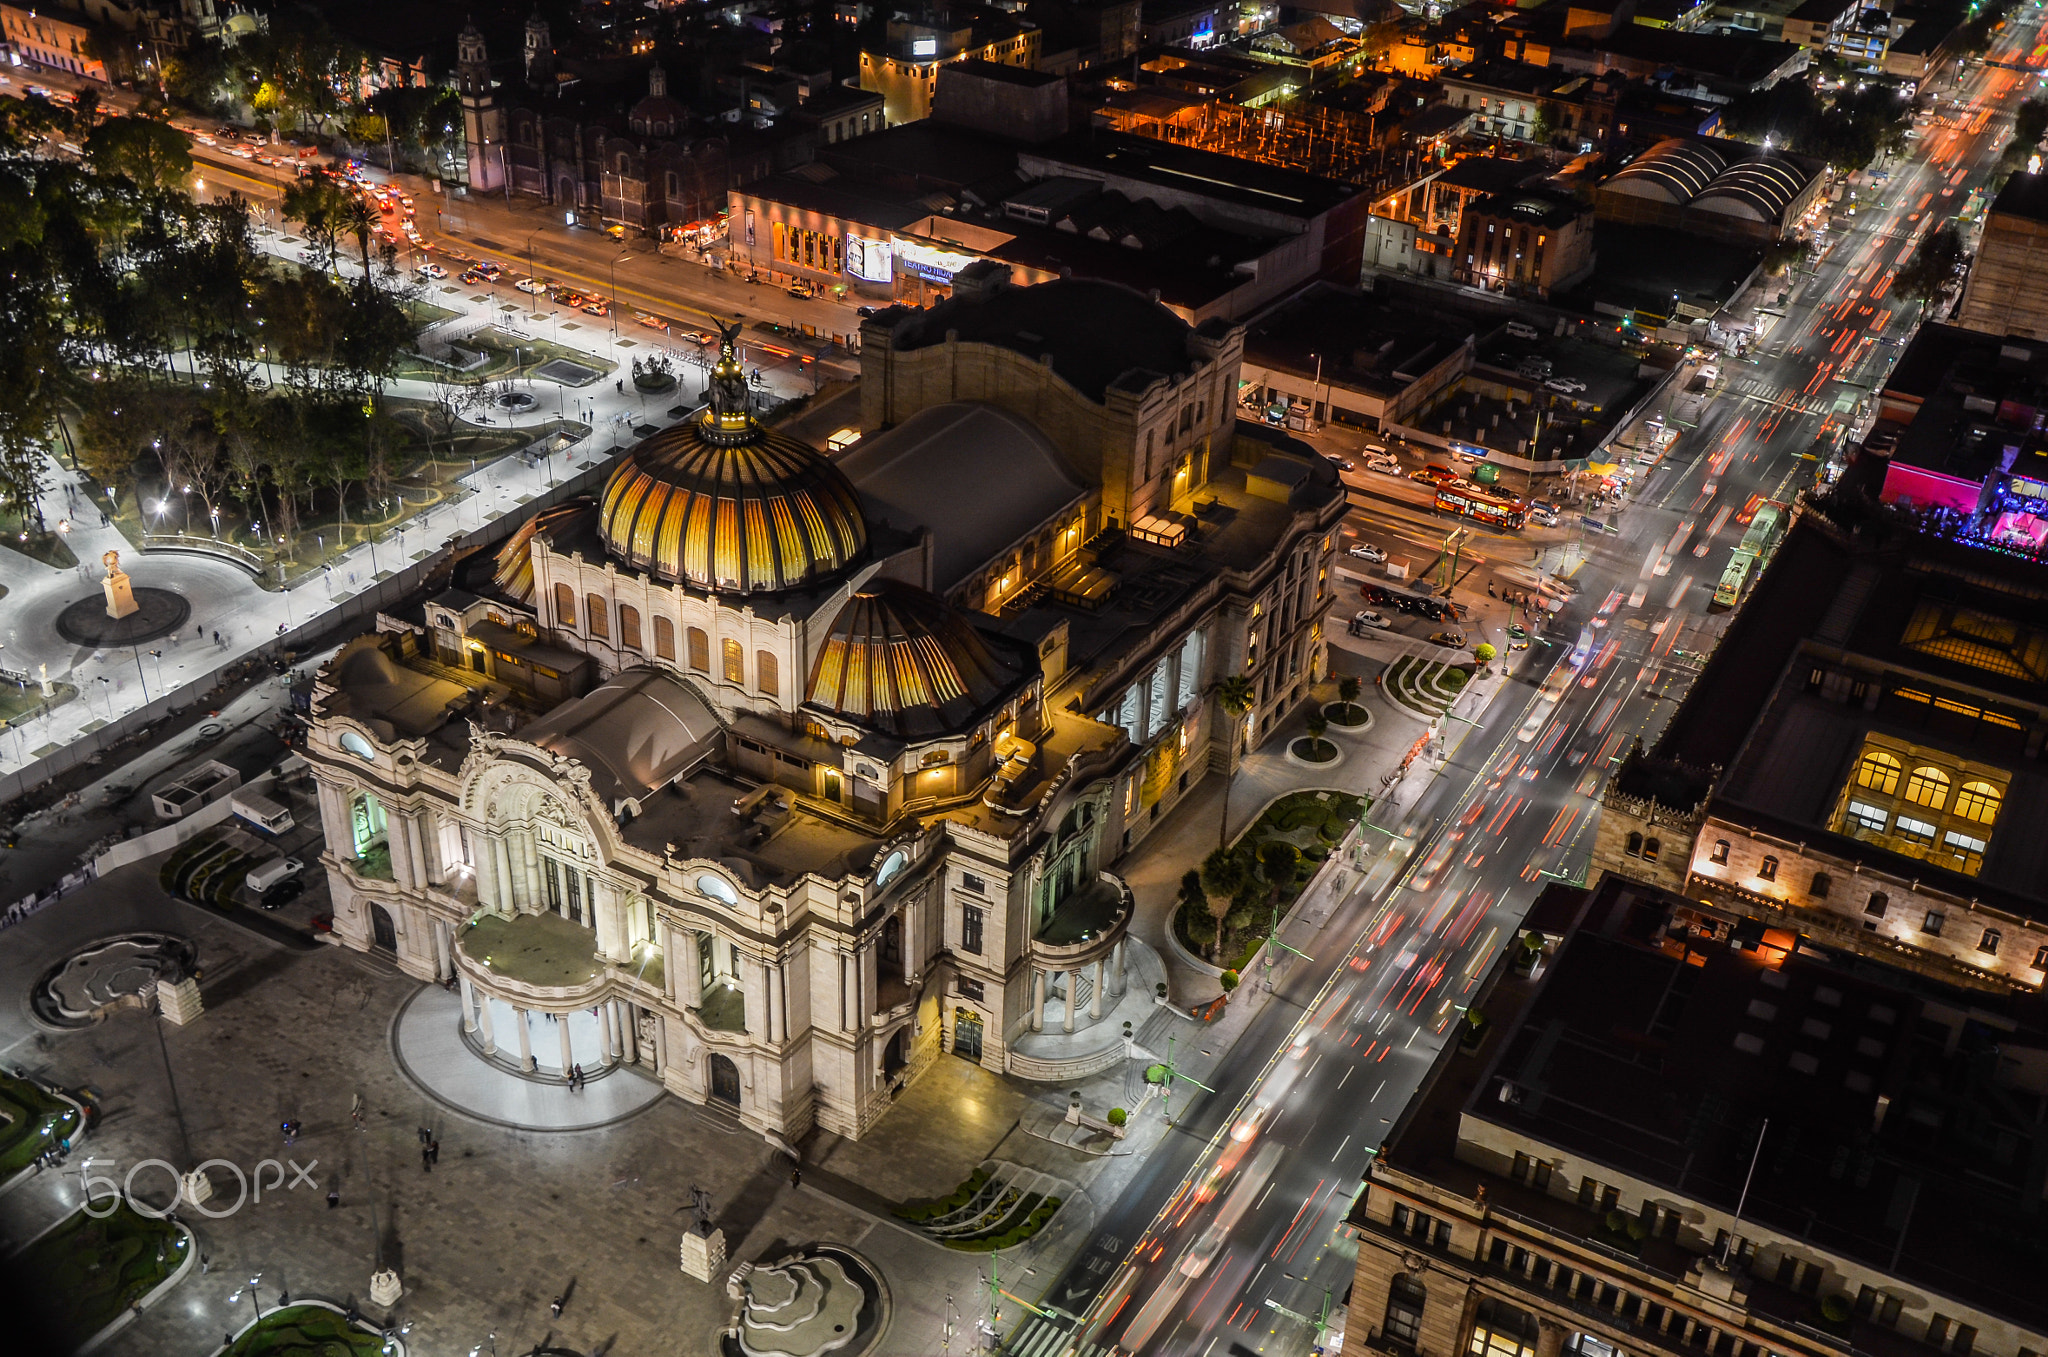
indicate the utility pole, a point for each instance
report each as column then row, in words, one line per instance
column 1173, row 1073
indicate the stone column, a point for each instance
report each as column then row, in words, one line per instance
column 870, row 983
column 1549, row 1338
column 483, row 1021
column 1037, row 1000
column 608, row 1022
column 529, row 870
column 562, row 1026
column 1067, row 1006
column 525, row 1038
column 468, row 1005
column 1095, row 999
column 507, row 900
column 768, row 1004
column 690, row 983
column 1123, row 979
column 913, row 939
column 416, row 851
column 443, row 962
column 629, row 1029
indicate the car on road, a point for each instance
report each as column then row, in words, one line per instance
column 431, row 271
column 242, row 153
column 287, row 890
column 309, row 256
column 1438, row 472
column 1341, row 463
column 1366, row 551
column 531, row 288
column 697, row 337
column 596, row 308
column 1426, row 475
column 1383, row 462
column 1454, row 639
column 1566, row 386
column 651, row 322
column 1366, row 617
column 865, row 311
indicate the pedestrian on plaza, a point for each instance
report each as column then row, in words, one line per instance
column 426, row 1160
column 205, row 1264
column 333, row 1197
column 1489, row 590
column 433, row 1152
column 796, row 1175
column 555, row 1306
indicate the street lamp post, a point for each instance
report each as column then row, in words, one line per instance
column 623, row 254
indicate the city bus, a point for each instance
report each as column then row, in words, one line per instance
column 1469, row 501
column 1747, row 562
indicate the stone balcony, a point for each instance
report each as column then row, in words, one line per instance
column 542, row 959
column 1086, row 925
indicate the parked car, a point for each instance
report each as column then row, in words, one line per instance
column 1366, row 617
column 1441, row 474
column 1383, row 462
column 865, row 311
column 431, row 271
column 1453, row 639
column 1521, row 329
column 1366, row 551
column 697, row 337
column 290, row 889
column 1567, row 386
column 531, row 288
column 596, row 309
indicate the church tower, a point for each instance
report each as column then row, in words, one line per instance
column 483, row 122
column 540, row 52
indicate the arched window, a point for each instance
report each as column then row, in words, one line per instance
column 1635, row 846
column 1767, row 870
column 1988, row 944
column 596, row 615
column 629, row 626
column 565, row 606
column 767, row 675
column 1927, row 787
column 2041, row 958
column 1819, row 889
column 700, row 650
column 1875, row 906
column 1978, row 801
column 1879, row 771
column 1405, row 1300
column 1720, row 853
column 1651, row 848
column 664, row 638
column 735, row 659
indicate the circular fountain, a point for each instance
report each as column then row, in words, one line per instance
column 824, row 1298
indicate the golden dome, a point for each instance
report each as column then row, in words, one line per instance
column 900, row 660
column 513, row 572
column 726, row 506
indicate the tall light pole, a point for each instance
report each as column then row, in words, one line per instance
column 623, row 254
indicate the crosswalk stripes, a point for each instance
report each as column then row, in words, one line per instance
column 1042, row 1337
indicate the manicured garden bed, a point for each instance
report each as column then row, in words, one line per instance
column 305, row 1331
column 1312, row 750
column 1311, row 823
column 100, row 1267
column 31, row 1121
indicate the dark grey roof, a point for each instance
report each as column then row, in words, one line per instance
column 1095, row 332
column 635, row 731
column 934, row 471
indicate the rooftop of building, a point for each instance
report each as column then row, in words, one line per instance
column 1823, row 11
column 1640, row 270
column 1741, row 61
column 1491, row 174
column 1096, row 153
column 1097, row 334
column 1868, row 1112
column 1535, row 206
column 1365, row 341
column 1002, row 73
column 1516, row 77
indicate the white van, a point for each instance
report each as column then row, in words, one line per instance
column 272, row 872
column 1521, row 329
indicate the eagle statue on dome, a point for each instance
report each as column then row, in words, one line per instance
column 730, row 409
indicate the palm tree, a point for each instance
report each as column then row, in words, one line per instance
column 1347, row 691
column 1233, row 698
column 1316, row 726
column 1223, row 876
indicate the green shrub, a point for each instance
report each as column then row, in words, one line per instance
column 1229, row 981
column 1118, row 1117
column 1155, row 1074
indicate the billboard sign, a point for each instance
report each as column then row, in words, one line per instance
column 937, row 266
column 869, row 260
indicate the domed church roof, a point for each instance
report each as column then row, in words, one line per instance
column 901, row 661
column 724, row 505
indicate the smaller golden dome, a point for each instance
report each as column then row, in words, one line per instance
column 514, row 562
column 901, row 661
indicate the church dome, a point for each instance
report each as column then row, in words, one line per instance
column 901, row 661
column 723, row 505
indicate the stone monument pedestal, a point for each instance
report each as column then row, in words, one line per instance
column 703, row 1251
column 385, row 1289
column 195, row 1187
column 120, row 593
column 180, row 1002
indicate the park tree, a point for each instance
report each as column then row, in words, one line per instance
column 1933, row 266
column 152, row 155
column 1223, row 877
column 1234, row 696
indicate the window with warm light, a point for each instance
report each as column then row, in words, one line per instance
column 1927, row 787
column 1879, row 772
column 735, row 661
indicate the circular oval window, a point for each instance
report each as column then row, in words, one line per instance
column 891, row 865
column 358, row 746
column 718, row 888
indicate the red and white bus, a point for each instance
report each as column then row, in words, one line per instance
column 1468, row 501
